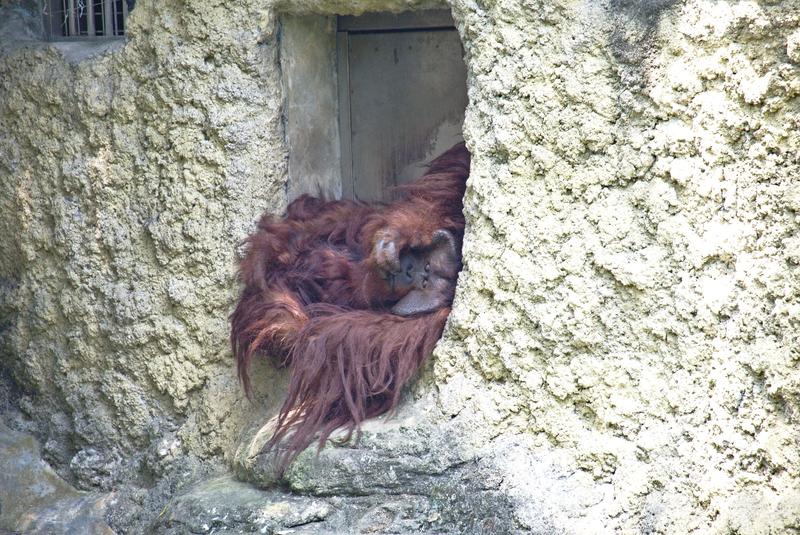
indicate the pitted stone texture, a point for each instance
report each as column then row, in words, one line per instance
column 33, row 499
column 127, row 180
column 407, row 474
column 630, row 295
column 223, row 505
column 631, row 286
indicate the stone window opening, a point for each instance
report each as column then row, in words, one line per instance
column 85, row 19
column 370, row 103
column 369, row 100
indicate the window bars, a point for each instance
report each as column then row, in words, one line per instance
column 85, row 19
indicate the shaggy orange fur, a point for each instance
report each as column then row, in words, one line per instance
column 318, row 290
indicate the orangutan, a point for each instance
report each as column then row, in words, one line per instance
column 352, row 297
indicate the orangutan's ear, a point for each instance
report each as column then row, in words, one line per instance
column 444, row 257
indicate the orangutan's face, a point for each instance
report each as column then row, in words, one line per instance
column 429, row 275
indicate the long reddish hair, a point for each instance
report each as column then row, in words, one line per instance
column 314, row 296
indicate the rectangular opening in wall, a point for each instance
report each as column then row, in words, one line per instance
column 369, row 100
column 402, row 96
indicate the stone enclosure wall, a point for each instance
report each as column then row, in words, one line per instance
column 622, row 352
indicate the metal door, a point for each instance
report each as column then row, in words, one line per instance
column 402, row 96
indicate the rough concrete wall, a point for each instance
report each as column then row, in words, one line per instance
column 126, row 180
column 630, row 294
column 622, row 351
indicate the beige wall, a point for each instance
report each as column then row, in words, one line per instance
column 630, row 296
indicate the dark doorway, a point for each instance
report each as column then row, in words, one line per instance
column 402, row 96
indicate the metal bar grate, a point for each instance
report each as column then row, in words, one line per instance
column 86, row 19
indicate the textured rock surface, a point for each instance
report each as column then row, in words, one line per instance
column 127, row 180
column 622, row 354
column 631, row 289
column 34, row 499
